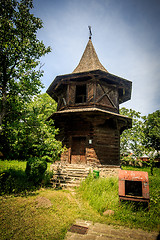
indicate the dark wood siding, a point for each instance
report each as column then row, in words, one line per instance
column 71, row 97
column 104, row 148
column 90, row 91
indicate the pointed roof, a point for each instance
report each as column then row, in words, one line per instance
column 89, row 60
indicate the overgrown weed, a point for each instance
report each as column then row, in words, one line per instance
column 102, row 194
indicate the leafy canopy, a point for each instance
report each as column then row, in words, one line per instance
column 152, row 130
column 132, row 139
column 144, row 136
column 20, row 57
column 34, row 136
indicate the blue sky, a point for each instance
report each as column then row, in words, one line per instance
column 126, row 37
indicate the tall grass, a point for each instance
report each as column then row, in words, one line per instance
column 102, row 194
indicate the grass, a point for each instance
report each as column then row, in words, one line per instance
column 14, row 164
column 13, row 179
column 21, row 218
column 102, row 194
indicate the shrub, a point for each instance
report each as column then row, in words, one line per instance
column 131, row 161
column 46, row 182
column 35, row 170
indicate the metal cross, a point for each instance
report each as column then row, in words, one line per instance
column 90, row 32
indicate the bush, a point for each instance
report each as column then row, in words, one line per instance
column 35, row 170
column 46, row 182
column 131, row 161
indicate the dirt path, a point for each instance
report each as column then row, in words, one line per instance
column 100, row 231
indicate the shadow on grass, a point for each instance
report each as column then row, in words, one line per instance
column 135, row 206
column 15, row 182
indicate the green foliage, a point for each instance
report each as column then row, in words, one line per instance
column 46, row 181
column 32, row 135
column 97, row 192
column 144, row 136
column 14, row 181
column 20, row 65
column 13, row 178
column 130, row 160
column 14, row 164
column 132, row 139
column 152, row 130
column 35, row 170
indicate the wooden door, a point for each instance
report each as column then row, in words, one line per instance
column 78, row 150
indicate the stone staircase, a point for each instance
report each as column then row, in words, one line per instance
column 68, row 175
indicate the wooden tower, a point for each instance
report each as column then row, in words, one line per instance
column 88, row 112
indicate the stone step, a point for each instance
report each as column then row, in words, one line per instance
column 73, row 170
column 78, row 181
column 69, row 175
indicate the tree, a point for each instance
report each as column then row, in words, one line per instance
column 152, row 130
column 143, row 137
column 132, row 139
column 20, row 55
column 34, row 136
column 152, row 137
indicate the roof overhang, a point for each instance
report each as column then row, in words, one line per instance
column 124, row 86
column 126, row 122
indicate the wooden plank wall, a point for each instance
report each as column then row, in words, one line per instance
column 106, row 145
column 105, row 141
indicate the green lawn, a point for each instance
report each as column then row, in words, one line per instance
column 14, row 164
column 28, row 216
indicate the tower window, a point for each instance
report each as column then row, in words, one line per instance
column 80, row 93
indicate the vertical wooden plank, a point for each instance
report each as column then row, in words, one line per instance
column 90, row 92
column 72, row 90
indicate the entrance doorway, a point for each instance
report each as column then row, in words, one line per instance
column 78, row 150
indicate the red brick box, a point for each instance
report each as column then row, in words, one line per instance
column 133, row 186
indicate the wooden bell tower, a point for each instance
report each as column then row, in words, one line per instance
column 88, row 112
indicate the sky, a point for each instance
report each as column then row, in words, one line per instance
column 125, row 34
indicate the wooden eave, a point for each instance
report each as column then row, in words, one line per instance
column 126, row 121
column 124, row 86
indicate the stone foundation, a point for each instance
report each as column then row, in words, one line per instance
column 71, row 175
column 107, row 170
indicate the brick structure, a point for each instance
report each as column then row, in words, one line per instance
column 88, row 112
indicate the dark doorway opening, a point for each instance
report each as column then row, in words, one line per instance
column 78, row 150
column 133, row 188
column 80, row 94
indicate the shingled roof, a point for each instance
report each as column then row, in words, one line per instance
column 89, row 60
